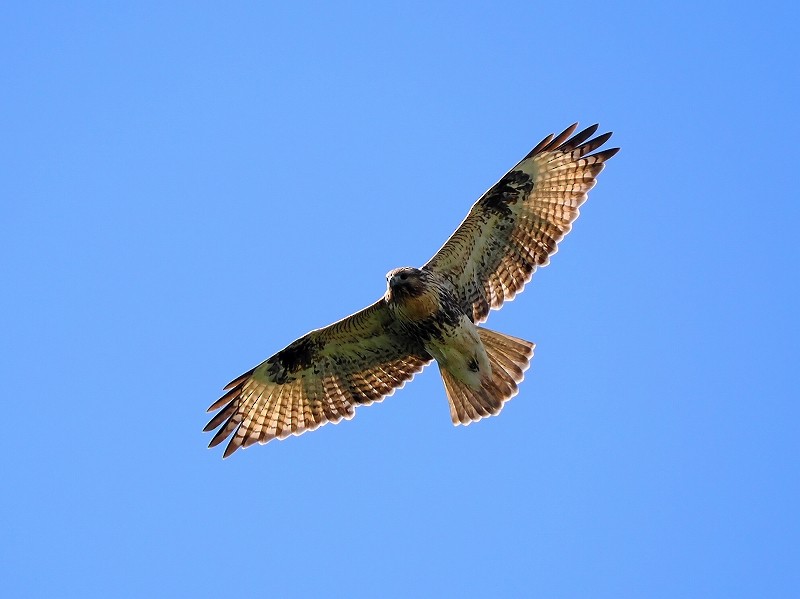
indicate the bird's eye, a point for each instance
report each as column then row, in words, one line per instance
column 403, row 277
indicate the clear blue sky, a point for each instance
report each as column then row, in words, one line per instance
column 185, row 188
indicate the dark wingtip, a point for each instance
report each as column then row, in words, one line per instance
column 223, row 400
column 538, row 147
column 238, row 379
column 552, row 141
column 606, row 154
column 562, row 137
column 576, row 140
column 230, row 449
column 219, row 437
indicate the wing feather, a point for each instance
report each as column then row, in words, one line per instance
column 518, row 223
column 321, row 377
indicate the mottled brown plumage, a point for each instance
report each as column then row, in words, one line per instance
column 516, row 225
column 428, row 313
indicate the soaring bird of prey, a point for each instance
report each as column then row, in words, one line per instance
column 428, row 313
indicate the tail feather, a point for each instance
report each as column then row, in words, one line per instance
column 509, row 357
column 468, row 405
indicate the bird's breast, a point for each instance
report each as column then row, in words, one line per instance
column 422, row 306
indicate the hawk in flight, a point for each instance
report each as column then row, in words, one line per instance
column 428, row 313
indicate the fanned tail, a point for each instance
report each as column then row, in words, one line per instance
column 509, row 357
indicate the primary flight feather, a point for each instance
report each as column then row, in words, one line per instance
column 428, row 313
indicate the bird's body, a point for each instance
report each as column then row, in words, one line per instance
column 427, row 313
column 460, row 352
column 426, row 309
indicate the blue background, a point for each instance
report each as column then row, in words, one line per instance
column 185, row 188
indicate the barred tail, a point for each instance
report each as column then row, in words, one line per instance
column 509, row 358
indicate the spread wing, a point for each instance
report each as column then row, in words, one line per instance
column 516, row 225
column 319, row 378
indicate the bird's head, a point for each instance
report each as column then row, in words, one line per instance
column 405, row 282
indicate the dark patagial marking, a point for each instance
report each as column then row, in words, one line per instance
column 293, row 358
column 473, row 364
column 507, row 191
